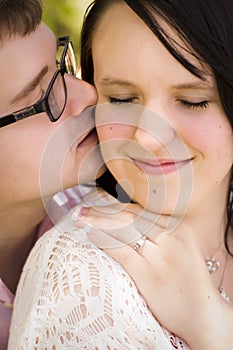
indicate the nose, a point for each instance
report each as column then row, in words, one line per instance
column 153, row 131
column 80, row 95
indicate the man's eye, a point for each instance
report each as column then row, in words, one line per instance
column 193, row 105
column 43, row 92
column 119, row 101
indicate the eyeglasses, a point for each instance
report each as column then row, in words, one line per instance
column 54, row 100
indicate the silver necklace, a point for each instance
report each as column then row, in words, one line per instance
column 213, row 264
column 224, row 295
column 221, row 289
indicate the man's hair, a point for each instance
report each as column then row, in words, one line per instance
column 19, row 17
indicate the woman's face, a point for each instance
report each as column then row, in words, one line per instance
column 163, row 131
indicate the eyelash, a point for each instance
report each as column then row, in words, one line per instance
column 118, row 101
column 43, row 91
column 193, row 105
column 183, row 103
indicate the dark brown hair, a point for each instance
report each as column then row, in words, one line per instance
column 206, row 26
column 19, row 17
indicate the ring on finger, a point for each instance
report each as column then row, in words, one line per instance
column 139, row 244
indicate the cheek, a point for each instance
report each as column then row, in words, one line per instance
column 22, row 145
column 20, row 163
column 212, row 144
column 210, row 135
column 114, row 131
column 112, row 139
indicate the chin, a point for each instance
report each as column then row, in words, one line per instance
column 101, row 171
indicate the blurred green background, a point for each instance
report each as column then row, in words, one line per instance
column 65, row 17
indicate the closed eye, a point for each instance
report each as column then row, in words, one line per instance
column 193, row 105
column 186, row 104
column 114, row 100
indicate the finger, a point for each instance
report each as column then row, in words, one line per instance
column 108, row 240
column 117, row 217
column 100, row 238
column 108, row 236
column 125, row 227
column 120, row 211
column 132, row 261
column 134, row 212
column 126, row 234
column 114, row 247
column 166, row 222
column 109, row 220
column 109, row 207
column 98, row 197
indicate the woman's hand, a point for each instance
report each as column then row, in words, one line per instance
column 169, row 270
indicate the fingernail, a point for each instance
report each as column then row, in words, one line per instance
column 89, row 232
column 79, row 213
column 82, row 212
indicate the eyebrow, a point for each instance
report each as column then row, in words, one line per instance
column 183, row 86
column 193, row 85
column 31, row 85
column 114, row 81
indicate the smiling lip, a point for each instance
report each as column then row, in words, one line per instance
column 160, row 166
column 88, row 139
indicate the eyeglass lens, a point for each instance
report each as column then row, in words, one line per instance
column 57, row 94
column 70, row 61
column 57, row 97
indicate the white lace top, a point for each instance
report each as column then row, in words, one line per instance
column 74, row 296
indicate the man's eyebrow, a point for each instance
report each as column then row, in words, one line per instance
column 31, row 85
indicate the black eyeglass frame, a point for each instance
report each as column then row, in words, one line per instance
column 43, row 104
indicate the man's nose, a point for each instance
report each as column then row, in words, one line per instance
column 80, row 95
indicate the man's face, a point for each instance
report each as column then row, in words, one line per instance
column 27, row 65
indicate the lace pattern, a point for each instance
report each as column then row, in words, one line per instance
column 74, row 296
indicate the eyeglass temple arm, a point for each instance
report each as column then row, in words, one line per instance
column 27, row 112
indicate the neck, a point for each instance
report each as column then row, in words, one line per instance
column 208, row 217
column 208, row 230
column 17, row 236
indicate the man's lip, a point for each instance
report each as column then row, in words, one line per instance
column 160, row 166
column 87, row 137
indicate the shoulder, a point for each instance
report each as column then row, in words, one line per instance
column 64, row 229
column 64, row 245
column 65, row 237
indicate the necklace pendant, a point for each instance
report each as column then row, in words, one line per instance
column 224, row 295
column 212, row 264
